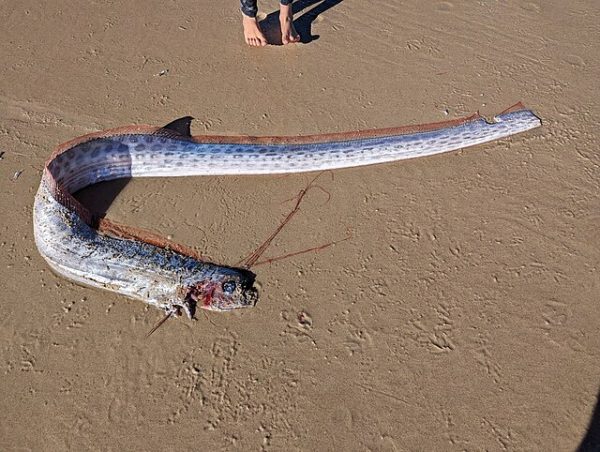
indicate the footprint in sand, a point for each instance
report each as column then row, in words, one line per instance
column 533, row 7
column 575, row 60
column 445, row 6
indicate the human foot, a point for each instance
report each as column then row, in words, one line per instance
column 286, row 21
column 252, row 33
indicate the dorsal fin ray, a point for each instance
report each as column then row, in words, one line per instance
column 180, row 126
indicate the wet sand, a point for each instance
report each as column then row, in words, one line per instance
column 462, row 315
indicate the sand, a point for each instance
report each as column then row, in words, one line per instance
column 462, row 315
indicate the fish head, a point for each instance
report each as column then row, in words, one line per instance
column 227, row 289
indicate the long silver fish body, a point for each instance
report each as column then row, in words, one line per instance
column 144, row 266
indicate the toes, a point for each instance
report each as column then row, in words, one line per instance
column 290, row 38
column 295, row 37
column 255, row 41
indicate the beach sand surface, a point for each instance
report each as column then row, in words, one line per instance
column 462, row 315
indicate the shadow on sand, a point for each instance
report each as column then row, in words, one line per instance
column 97, row 198
column 303, row 24
column 591, row 440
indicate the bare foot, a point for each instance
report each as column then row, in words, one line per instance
column 286, row 21
column 252, row 33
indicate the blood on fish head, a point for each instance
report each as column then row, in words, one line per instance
column 224, row 291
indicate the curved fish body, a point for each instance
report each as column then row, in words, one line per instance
column 145, row 266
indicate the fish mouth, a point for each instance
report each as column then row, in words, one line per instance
column 249, row 297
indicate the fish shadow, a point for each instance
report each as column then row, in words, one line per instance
column 303, row 24
column 97, row 198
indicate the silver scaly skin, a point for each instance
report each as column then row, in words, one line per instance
column 173, row 280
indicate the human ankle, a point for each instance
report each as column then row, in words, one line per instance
column 285, row 12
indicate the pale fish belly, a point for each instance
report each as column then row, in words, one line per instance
column 133, row 268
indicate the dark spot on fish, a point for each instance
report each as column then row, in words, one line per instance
column 121, row 148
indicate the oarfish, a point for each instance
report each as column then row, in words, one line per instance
column 146, row 266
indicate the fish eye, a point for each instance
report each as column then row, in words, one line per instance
column 229, row 287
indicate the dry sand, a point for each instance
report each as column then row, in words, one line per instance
column 463, row 314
